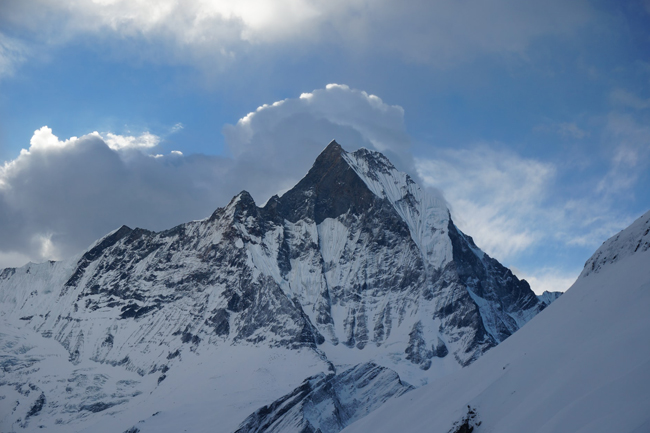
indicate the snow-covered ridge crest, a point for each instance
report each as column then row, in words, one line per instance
column 427, row 216
column 633, row 240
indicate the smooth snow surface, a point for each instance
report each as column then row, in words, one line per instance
column 581, row 366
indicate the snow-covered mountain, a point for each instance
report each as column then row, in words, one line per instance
column 583, row 365
column 355, row 264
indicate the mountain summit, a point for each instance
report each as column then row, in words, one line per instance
column 355, row 264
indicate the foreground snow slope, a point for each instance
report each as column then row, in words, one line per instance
column 582, row 365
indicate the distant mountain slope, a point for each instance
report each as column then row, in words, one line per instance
column 355, row 264
column 549, row 297
column 583, row 365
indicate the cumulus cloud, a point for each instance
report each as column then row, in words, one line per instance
column 58, row 196
column 278, row 142
column 44, row 139
column 440, row 32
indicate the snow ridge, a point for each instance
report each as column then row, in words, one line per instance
column 633, row 240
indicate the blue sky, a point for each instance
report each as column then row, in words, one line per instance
column 533, row 118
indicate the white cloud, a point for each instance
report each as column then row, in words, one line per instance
column 43, row 139
column 60, row 195
column 513, row 205
column 439, row 32
column 380, row 124
column 279, row 141
column 177, row 127
column 144, row 141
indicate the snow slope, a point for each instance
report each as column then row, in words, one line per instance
column 581, row 366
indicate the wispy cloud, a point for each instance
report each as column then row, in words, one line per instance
column 628, row 99
column 572, row 130
column 630, row 153
column 13, row 52
column 495, row 195
column 564, row 129
column 513, row 205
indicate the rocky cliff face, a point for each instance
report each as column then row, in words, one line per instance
column 355, row 263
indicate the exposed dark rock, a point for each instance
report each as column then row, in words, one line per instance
column 220, row 321
column 135, row 311
column 99, row 406
column 440, row 350
column 330, row 189
column 36, row 407
column 96, row 252
column 468, row 423
column 327, row 403
column 417, row 349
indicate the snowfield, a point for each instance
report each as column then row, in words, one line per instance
column 580, row 366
